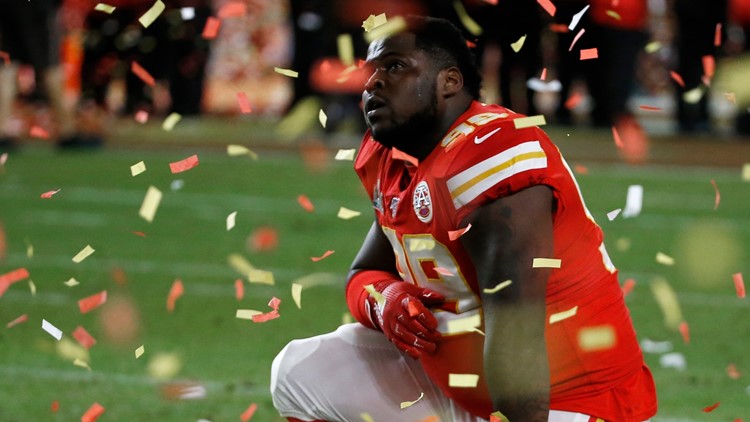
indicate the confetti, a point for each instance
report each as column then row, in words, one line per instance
column 694, row 95
column 708, row 409
column 653, row 47
column 731, row 97
column 455, row 234
column 575, row 39
column 211, row 28
column 92, row 302
column 297, row 294
column 524, row 122
column 739, row 285
column 627, row 287
column 175, row 292
column 150, row 16
column 546, row 263
column 544, row 74
column 470, row 24
column 463, row 380
column 319, row 258
column 246, row 313
column 595, row 338
column 732, row 371
column 392, row 26
column 345, row 49
column 305, row 203
column 573, row 101
column 239, row 289
column 150, row 204
column 345, row 154
column 667, row 301
column 71, row 282
column 614, row 15
column 746, row 172
column 499, row 287
column 137, row 168
column 286, row 72
column 709, row 65
column 248, row 413
column 577, row 18
column 717, row 196
column 547, row 6
column 498, row 417
column 102, row 7
column 93, row 413
column 48, row 194
column 51, row 330
column 32, row 287
column 19, row 320
column 7, row 279
column 613, row 214
column 518, row 45
column 649, row 108
column 3, row 158
column 462, row 325
column 373, row 21
column 717, row 35
column 664, row 259
column 83, row 254
column 235, row 150
column 38, row 132
column 260, row 277
column 187, row 13
column 347, row 214
column 375, row 294
column 171, row 121
column 685, row 332
column 83, row 337
column 142, row 73
column 141, row 116
column 231, row 219
column 412, row 308
column 559, row 316
column 581, row 169
column 589, row 53
column 633, row 201
column 444, row 271
column 244, row 103
column 233, row 9
column 266, row 317
column 263, row 239
column 677, row 78
column 81, row 363
column 405, row 404
column 55, row 406
column 139, row 351
column 366, row 417
column 322, row 118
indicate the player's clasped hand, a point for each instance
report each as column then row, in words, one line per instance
column 405, row 318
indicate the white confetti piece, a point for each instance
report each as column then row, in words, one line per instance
column 71, row 282
column 530, row 121
column 171, row 121
column 139, row 351
column 286, row 72
column 83, row 254
column 546, row 263
column 187, row 13
column 345, row 154
column 150, row 16
column 51, row 330
column 322, row 118
column 664, row 259
column 613, row 214
column 461, row 325
column 102, row 7
column 231, row 218
column 297, row 294
column 346, row 213
column 633, row 202
column 405, row 404
column 463, row 380
column 150, row 204
column 137, row 168
column 559, row 316
column 577, row 18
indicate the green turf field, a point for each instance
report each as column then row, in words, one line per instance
column 98, row 205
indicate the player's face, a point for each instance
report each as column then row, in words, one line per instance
column 400, row 98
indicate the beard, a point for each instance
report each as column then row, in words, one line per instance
column 409, row 134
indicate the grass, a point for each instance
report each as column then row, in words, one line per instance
column 98, row 205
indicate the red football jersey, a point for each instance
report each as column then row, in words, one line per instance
column 596, row 364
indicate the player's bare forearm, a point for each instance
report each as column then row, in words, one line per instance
column 506, row 236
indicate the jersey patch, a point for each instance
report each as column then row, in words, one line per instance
column 422, row 202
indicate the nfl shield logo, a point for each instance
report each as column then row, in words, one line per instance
column 422, row 202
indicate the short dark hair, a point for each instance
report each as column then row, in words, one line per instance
column 446, row 44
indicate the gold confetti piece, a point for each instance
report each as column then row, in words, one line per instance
column 405, row 404
column 463, row 380
column 346, row 49
column 374, row 21
column 595, row 338
column 150, row 204
column 461, row 325
column 235, row 150
column 421, row 245
column 51, row 330
column 346, row 318
column 577, row 18
column 731, row 97
column 613, row 214
column 516, row 46
column 239, row 264
column 260, row 277
column 694, row 95
column 286, row 72
column 653, row 47
column 137, row 168
column 614, row 15
column 546, row 263
column 559, row 316
column 102, row 7
column 499, row 287
column 664, row 259
column 746, row 172
column 139, row 351
column 470, row 24
column 322, row 118
column 83, row 254
column 667, row 301
column 171, row 121
column 71, row 282
column 231, row 220
column 523, row 122
column 297, row 294
column 392, row 26
column 246, row 313
column 81, row 363
column 346, row 213
column 150, row 16
column 375, row 294
column 32, row 287
column 633, row 201
column 366, row 417
column 345, row 154
column 163, row 366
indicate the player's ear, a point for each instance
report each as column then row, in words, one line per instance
column 450, row 81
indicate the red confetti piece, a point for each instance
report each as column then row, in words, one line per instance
column 93, row 413
column 544, row 74
column 141, row 116
column 685, row 331
column 677, row 78
column 739, row 285
column 492, row 2
column 266, row 317
column 575, row 39
column 627, row 287
column 244, row 103
column 717, row 35
column 38, row 132
column 325, row 255
column 184, row 165
column 717, row 197
column 239, row 289
column 573, row 101
column 248, row 413
column 471, row 44
column 264, row 239
column 7, row 279
column 589, row 53
column 432, row 418
column 211, row 29
column 83, row 337
column 142, row 73
column 616, row 135
column 455, row 234
column 3, row 243
column 233, row 9
column 649, row 108
column 711, row 408
column 21, row 319
column 305, row 203
column 581, row 169
column 48, row 194
column 92, row 302
column 709, row 65
column 495, row 418
column 559, row 28
column 547, row 6
column 174, row 293
column 732, row 371
column 412, row 308
column 54, row 407
column 274, row 303
column 141, row 234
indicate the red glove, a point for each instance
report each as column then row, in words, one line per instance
column 405, row 318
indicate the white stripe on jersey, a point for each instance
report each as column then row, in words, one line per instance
column 477, row 179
